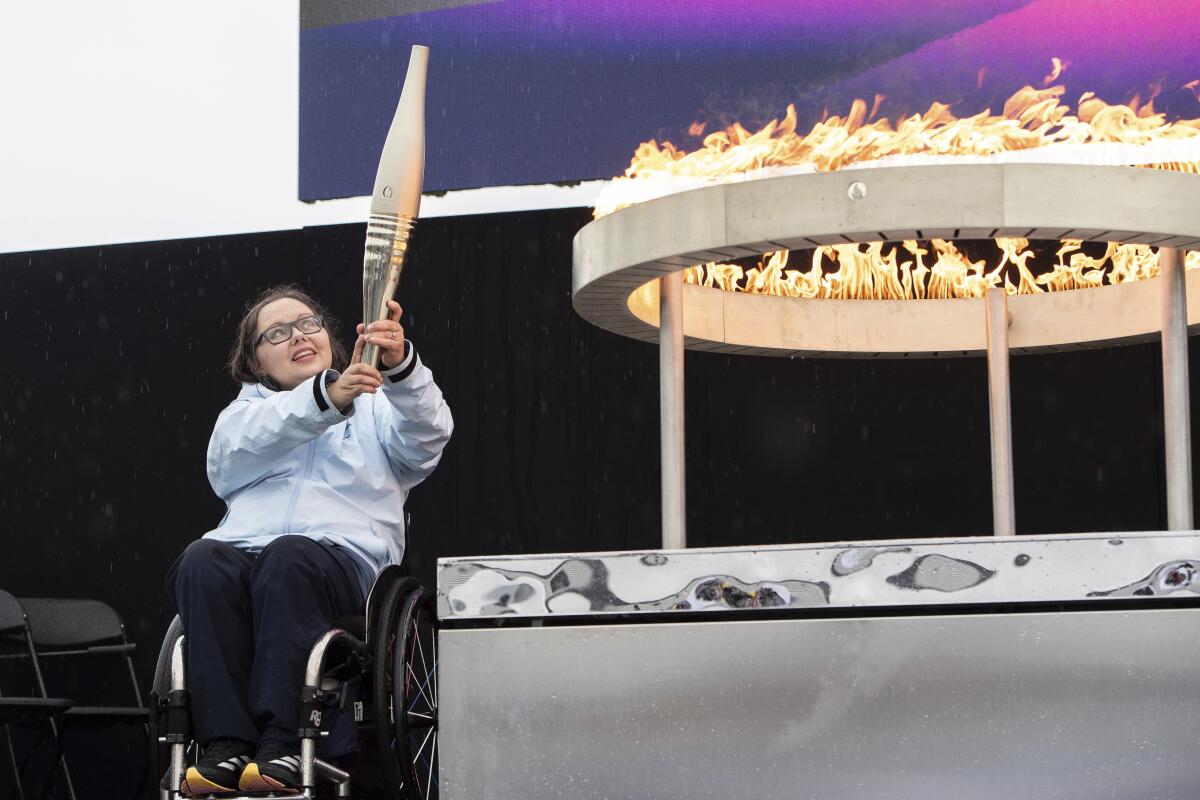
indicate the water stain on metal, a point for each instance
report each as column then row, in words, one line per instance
column 941, row 573
column 724, row 591
column 497, row 592
column 1021, row 560
column 1167, row 578
column 855, row 559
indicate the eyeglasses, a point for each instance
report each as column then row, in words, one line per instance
column 278, row 334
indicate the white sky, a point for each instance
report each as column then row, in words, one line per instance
column 132, row 120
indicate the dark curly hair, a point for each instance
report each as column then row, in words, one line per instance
column 243, row 364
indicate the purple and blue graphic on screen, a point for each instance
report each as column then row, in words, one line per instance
column 537, row 91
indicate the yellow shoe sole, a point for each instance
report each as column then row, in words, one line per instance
column 196, row 785
column 254, row 781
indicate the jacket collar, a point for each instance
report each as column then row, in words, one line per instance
column 254, row 391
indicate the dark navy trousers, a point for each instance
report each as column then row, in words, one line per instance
column 250, row 622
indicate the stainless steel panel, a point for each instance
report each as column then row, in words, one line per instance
column 1075, row 706
column 1067, row 567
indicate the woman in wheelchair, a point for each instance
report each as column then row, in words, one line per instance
column 314, row 460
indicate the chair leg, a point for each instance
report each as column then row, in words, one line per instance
column 53, row 771
column 58, row 749
column 32, row 750
column 60, row 760
column 12, row 757
column 29, row 753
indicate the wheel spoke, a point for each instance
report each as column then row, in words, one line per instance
column 412, row 648
column 432, row 761
column 437, row 783
column 420, row 690
column 424, row 742
column 420, row 649
column 433, row 644
column 432, row 681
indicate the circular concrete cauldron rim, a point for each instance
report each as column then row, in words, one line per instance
column 618, row 258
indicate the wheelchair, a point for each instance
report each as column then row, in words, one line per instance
column 392, row 648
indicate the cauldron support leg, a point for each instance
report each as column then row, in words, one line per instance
column 671, row 415
column 1177, row 428
column 1003, row 497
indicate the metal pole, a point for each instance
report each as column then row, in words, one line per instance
column 670, row 394
column 1177, row 425
column 1004, row 514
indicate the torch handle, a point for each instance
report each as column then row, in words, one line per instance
column 370, row 355
column 388, row 236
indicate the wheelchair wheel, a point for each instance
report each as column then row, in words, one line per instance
column 383, row 642
column 159, row 691
column 415, row 696
column 162, row 667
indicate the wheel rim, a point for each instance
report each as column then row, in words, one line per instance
column 385, row 644
column 415, row 705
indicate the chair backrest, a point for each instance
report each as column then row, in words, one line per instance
column 12, row 617
column 17, row 648
column 55, row 622
column 65, row 630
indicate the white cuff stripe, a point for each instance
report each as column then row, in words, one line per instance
column 405, row 367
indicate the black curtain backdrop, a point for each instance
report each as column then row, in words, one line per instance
column 113, row 375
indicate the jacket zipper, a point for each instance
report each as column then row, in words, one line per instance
column 287, row 518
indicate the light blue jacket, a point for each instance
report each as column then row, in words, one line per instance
column 291, row 463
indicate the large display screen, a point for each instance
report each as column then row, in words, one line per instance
column 550, row 91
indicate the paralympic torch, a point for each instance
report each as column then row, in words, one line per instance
column 396, row 199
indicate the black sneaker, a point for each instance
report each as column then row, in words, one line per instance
column 218, row 770
column 275, row 768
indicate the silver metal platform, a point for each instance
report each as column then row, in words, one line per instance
column 1055, row 666
column 1025, row 569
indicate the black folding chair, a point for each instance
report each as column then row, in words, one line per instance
column 75, row 632
column 40, row 711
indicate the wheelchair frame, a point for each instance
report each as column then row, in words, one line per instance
column 400, row 617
